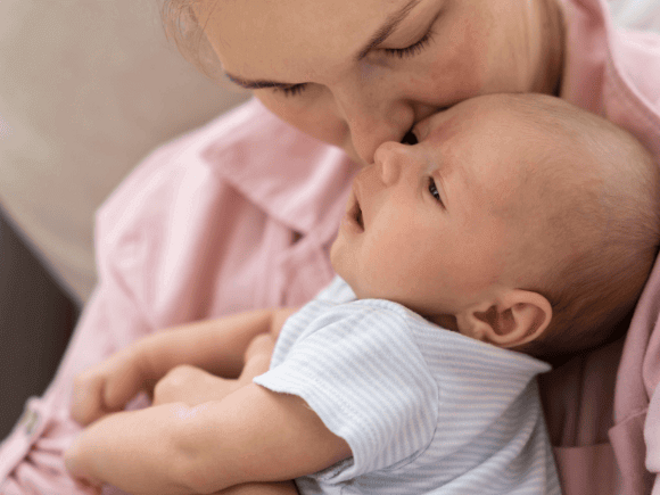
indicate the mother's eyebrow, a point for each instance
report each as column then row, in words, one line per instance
column 255, row 84
column 381, row 34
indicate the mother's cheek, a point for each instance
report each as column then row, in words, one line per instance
column 461, row 67
column 312, row 114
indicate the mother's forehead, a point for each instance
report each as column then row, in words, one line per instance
column 295, row 33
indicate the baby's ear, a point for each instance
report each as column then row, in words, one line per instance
column 515, row 318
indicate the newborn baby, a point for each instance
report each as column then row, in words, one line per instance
column 519, row 229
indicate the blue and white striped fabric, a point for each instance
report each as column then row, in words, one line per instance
column 424, row 410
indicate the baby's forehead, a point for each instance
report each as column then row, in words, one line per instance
column 493, row 138
column 484, row 121
column 529, row 154
column 509, row 114
column 502, row 139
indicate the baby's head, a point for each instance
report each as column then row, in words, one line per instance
column 517, row 220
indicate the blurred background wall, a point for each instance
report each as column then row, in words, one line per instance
column 87, row 89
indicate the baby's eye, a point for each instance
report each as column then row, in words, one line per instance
column 434, row 190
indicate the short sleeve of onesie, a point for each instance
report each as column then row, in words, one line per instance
column 359, row 368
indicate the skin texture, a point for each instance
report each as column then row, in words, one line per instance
column 468, row 48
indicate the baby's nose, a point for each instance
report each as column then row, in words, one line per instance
column 389, row 158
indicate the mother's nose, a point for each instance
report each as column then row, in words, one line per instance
column 372, row 121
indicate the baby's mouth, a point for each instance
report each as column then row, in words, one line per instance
column 358, row 216
column 355, row 213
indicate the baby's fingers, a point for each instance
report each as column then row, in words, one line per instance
column 192, row 386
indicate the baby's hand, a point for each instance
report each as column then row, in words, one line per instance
column 108, row 386
column 192, row 386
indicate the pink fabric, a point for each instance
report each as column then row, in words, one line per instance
column 636, row 435
column 241, row 213
column 599, row 431
column 227, row 218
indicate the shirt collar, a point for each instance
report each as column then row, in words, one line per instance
column 293, row 177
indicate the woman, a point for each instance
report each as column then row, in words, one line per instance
column 241, row 213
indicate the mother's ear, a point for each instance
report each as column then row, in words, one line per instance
column 516, row 317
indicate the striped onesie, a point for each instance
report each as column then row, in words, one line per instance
column 423, row 409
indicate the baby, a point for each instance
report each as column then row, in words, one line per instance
column 518, row 229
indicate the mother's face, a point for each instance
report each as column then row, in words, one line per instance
column 356, row 73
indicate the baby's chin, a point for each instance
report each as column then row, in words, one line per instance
column 340, row 268
column 342, row 260
column 334, row 255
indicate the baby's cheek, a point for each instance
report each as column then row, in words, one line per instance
column 388, row 262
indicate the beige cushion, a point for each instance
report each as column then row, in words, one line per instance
column 87, row 88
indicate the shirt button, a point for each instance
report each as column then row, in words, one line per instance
column 30, row 421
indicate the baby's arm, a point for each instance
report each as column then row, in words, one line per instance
column 252, row 435
column 274, row 488
column 217, row 346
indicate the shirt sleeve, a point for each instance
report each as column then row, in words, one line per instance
column 118, row 313
column 361, row 371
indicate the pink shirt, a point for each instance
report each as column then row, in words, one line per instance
column 241, row 213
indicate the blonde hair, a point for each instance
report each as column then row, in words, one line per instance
column 184, row 28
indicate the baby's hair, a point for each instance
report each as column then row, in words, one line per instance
column 605, row 228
